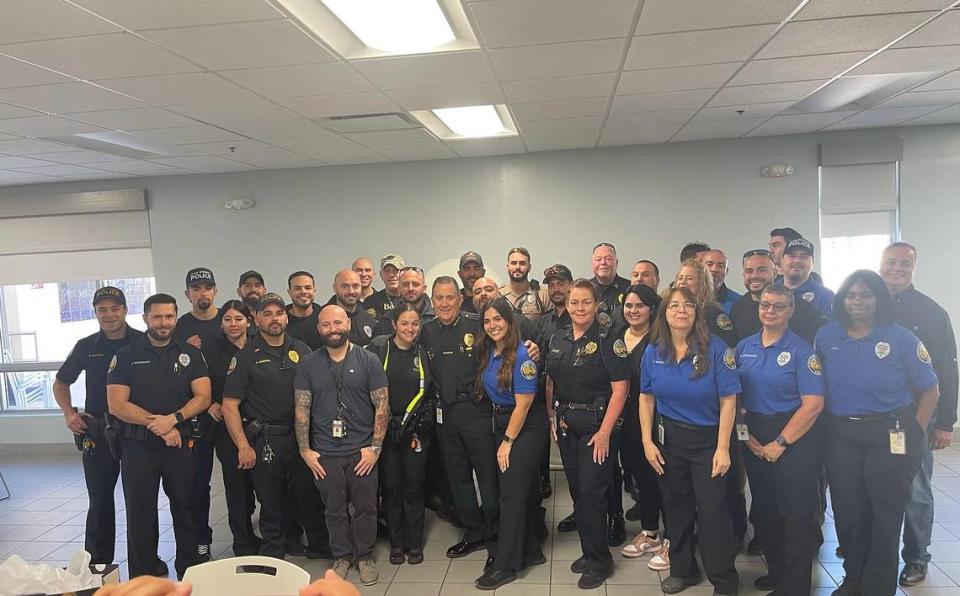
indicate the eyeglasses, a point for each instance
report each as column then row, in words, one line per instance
column 756, row 252
column 678, row 306
column 777, row 307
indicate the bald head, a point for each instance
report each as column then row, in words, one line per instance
column 346, row 285
column 484, row 289
column 716, row 263
column 364, row 268
column 333, row 323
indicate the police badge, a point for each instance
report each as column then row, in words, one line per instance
column 813, row 363
column 468, row 339
column 724, row 322
column 233, row 365
column 528, row 370
column 730, row 359
column 293, row 356
column 590, row 348
column 184, row 359
column 808, row 296
column 368, row 330
column 620, row 348
column 882, row 350
column 783, row 359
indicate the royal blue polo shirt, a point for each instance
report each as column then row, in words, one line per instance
column 774, row 377
column 818, row 295
column 524, row 378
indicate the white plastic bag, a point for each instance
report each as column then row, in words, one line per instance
column 19, row 577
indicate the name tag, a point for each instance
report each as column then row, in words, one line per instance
column 898, row 442
column 743, row 433
column 439, row 415
column 661, row 434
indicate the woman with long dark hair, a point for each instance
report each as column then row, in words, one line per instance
column 508, row 377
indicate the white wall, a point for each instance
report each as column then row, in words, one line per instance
column 648, row 200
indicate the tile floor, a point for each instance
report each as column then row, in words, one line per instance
column 43, row 520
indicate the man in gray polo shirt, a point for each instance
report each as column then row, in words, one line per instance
column 342, row 412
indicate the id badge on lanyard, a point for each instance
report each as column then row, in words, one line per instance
column 439, row 413
column 898, row 440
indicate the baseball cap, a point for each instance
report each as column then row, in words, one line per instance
column 471, row 257
column 200, row 275
column 557, row 271
column 109, row 293
column 395, row 260
column 798, row 245
column 270, row 298
column 245, row 276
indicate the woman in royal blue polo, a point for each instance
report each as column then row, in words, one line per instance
column 881, row 392
column 689, row 377
column 783, row 396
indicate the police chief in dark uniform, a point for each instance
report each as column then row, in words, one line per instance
column 153, row 386
column 881, row 393
column 259, row 411
column 589, row 374
column 101, row 467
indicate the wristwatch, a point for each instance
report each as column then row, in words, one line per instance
column 508, row 440
column 376, row 448
column 179, row 416
column 781, row 441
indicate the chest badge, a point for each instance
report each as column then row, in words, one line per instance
column 468, row 340
column 590, row 348
column 808, row 296
column 184, row 359
column 531, row 298
column 783, row 358
column 882, row 350
column 604, row 319
column 620, row 348
column 293, row 356
column 416, row 362
column 372, row 312
column 724, row 322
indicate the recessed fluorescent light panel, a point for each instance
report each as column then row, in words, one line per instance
column 470, row 122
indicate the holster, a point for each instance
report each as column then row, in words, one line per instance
column 253, row 429
column 112, row 432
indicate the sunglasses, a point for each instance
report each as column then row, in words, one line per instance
column 756, row 252
column 417, row 269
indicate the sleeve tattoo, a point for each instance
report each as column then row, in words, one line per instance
column 302, row 400
column 380, row 401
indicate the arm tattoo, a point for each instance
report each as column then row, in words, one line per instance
column 302, row 400
column 382, row 418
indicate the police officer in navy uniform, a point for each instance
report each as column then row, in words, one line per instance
column 381, row 302
column 782, row 395
column 154, row 385
column 259, row 411
column 101, row 468
column 881, row 393
column 797, row 268
column 588, row 377
column 610, row 286
column 347, row 288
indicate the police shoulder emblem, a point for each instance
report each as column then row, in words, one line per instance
column 620, row 298
column 184, row 359
column 922, row 353
column 590, row 348
column 730, row 359
column 783, row 358
column 528, row 370
column 604, row 319
column 416, row 362
column 233, row 365
column 813, row 363
column 882, row 349
column 724, row 322
column 620, row 348
column 368, row 330
column 468, row 339
column 293, row 356
column 372, row 312
column 808, row 296
column 113, row 363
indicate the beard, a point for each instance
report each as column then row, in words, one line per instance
column 203, row 304
column 519, row 275
column 251, row 300
column 335, row 340
column 159, row 333
column 273, row 330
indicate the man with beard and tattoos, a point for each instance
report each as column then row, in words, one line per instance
column 302, row 312
column 342, row 413
column 364, row 268
column 525, row 295
column 471, row 269
column 381, row 302
column 347, row 289
column 251, row 288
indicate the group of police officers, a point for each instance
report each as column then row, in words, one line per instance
column 223, row 380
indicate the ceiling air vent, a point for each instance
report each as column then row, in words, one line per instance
column 368, row 123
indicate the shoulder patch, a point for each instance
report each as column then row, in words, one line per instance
column 724, row 322
column 113, row 364
column 604, row 319
column 813, row 364
column 184, row 359
column 620, row 348
column 528, row 370
column 730, row 359
column 294, row 356
column 923, row 354
column 233, row 365
column 372, row 312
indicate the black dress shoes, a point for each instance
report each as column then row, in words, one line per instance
column 464, row 548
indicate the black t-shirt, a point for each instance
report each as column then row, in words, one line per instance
column 158, row 377
column 583, row 369
column 305, row 328
column 453, row 359
column 189, row 325
column 403, row 373
column 261, row 377
column 218, row 356
column 380, row 303
column 93, row 355
column 805, row 322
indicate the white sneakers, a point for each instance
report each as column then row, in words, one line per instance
column 644, row 543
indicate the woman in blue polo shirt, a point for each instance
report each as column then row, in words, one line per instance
column 881, row 393
column 509, row 380
column 689, row 377
column 783, row 396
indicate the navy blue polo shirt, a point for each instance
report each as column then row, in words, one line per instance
column 774, row 377
column 816, row 294
column 877, row 373
column 93, row 354
column 524, row 378
column 160, row 378
column 683, row 398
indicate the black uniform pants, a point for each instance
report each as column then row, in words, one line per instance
column 403, row 471
column 518, row 539
column 692, row 499
column 273, row 482
column 100, row 472
column 466, row 442
column 352, row 533
column 785, row 502
column 636, row 464
column 203, row 450
column 869, row 489
column 588, row 483
column 736, row 499
column 238, row 489
column 145, row 464
column 615, row 489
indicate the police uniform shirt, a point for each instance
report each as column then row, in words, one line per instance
column 362, row 326
column 816, row 294
column 877, row 373
column 403, row 373
column 218, row 357
column 610, row 312
column 452, row 355
column 466, row 305
column 550, row 323
column 379, row 304
column 261, row 377
column 524, row 378
column 583, row 369
column 683, row 398
column 93, row 355
column 158, row 377
column 726, row 298
column 921, row 315
column 362, row 374
column 189, row 325
column 775, row 377
column 305, row 328
column 805, row 322
column 720, row 324
column 531, row 304
column 636, row 358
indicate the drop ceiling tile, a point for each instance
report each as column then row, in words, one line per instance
column 453, row 96
column 851, row 34
column 799, row 68
column 933, row 59
column 279, row 129
column 426, row 70
column 560, row 141
column 299, row 80
column 565, row 108
column 242, row 45
column 326, row 106
column 503, row 23
column 949, row 115
column 762, row 110
column 637, row 135
column 711, row 46
column 237, row 112
column 180, row 89
column 11, row 178
column 7, row 161
column 31, row 146
column 482, row 147
column 590, row 124
column 229, row 149
column 45, row 126
column 203, row 163
column 672, row 100
column 325, row 146
column 597, row 85
column 908, row 100
column 882, row 117
column 720, row 129
column 682, row 78
column 109, row 56
column 67, row 97
column 557, row 60
column 65, row 171
column 48, row 19
column 9, row 111
column 665, row 16
column 647, row 118
column 391, row 137
column 944, row 30
column 767, row 93
column 414, row 151
column 797, row 123
column 950, row 80
column 371, row 157
column 827, row 9
column 136, row 119
column 142, row 168
column 14, row 73
column 188, row 134
column 281, row 160
column 76, row 157
column 155, row 14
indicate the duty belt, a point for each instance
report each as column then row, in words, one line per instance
column 502, row 409
column 877, row 417
column 276, row 430
column 597, row 403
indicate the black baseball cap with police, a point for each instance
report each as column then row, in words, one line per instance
column 247, row 275
column 557, row 272
column 109, row 293
column 270, row 298
column 200, row 275
column 394, row 260
column 800, row 244
column 471, row 257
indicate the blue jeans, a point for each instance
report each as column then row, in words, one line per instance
column 918, row 515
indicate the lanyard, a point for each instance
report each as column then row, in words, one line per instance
column 338, row 379
column 416, row 398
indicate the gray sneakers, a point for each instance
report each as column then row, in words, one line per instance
column 341, row 567
column 368, row 572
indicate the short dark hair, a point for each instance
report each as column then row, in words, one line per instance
column 885, row 308
column 445, row 279
column 299, row 274
column 779, row 290
column 159, row 299
column 900, row 244
column 404, row 307
column 692, row 249
column 656, row 269
column 647, row 296
column 787, row 233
